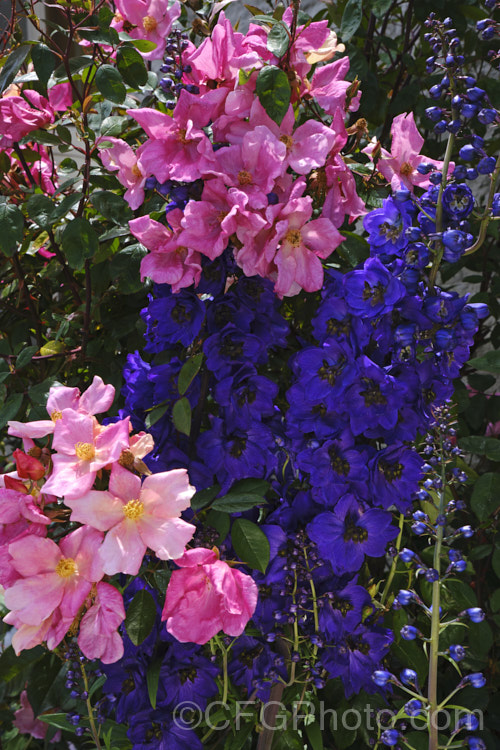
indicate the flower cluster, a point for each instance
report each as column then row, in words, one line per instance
column 55, row 583
column 256, row 169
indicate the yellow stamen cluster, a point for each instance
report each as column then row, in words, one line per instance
column 406, row 169
column 134, row 509
column 84, row 451
column 149, row 23
column 56, row 415
column 66, row 567
column 287, row 140
column 293, row 237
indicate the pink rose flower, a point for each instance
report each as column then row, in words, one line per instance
column 120, row 157
column 205, row 596
column 19, row 117
column 149, row 19
column 137, row 517
column 98, row 637
column 25, row 722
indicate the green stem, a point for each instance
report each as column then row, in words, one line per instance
column 392, row 571
column 439, row 210
column 90, row 710
column 435, row 620
column 486, row 219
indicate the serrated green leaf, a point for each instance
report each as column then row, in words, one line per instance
column 109, row 82
column 152, row 679
column 131, row 66
column 489, row 362
column 79, row 242
column 274, row 92
column 181, row 416
column 12, row 65
column 141, row 616
column 351, row 19
column 188, row 372
column 278, row 39
column 485, row 497
column 10, row 408
column 44, row 62
column 25, row 356
column 250, row 544
column 12, row 223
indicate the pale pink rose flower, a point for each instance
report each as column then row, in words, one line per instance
column 53, row 577
column 84, row 448
column 98, row 637
column 169, row 262
column 25, row 722
column 399, row 166
column 137, row 517
column 210, row 222
column 150, row 19
column 121, row 157
column 96, row 399
column 342, row 198
column 205, row 596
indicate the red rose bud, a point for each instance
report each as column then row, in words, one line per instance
column 28, row 467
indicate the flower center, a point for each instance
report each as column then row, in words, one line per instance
column 136, row 171
column 66, row 567
column 293, row 237
column 149, row 23
column 287, row 140
column 406, row 169
column 181, row 135
column 244, row 177
column 56, row 415
column 134, row 509
column 84, row 451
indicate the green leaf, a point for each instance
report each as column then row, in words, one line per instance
column 43, row 679
column 314, row 735
column 181, row 415
column 25, row 356
column 351, row 19
column 203, row 498
column 495, row 561
column 153, row 678
column 489, row 362
column 52, row 347
column 11, row 666
column 380, row 7
column 274, row 92
column 251, row 484
column 12, row 65
column 12, row 223
column 113, row 125
column 57, row 720
column 131, row 66
column 485, row 498
column 141, row 616
column 188, row 372
column 79, row 241
column 237, row 503
column 278, row 39
column 481, row 446
column 40, row 209
column 109, row 82
column 112, row 206
column 250, row 544
column 101, row 36
column 354, row 249
column 220, row 522
column 155, row 414
column 143, row 45
column 10, row 408
column 44, row 62
column 97, row 685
